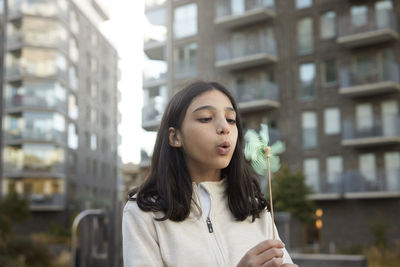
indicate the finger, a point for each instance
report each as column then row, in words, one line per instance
column 264, row 245
column 275, row 262
column 269, row 254
column 290, row 265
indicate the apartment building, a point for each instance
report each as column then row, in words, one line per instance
column 323, row 74
column 60, row 114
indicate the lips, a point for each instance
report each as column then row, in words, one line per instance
column 224, row 148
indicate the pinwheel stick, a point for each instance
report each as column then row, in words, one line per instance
column 268, row 155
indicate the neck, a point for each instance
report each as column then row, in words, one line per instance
column 204, row 175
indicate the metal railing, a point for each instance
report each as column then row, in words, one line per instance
column 355, row 181
column 372, row 73
column 250, row 44
column 224, row 8
column 256, row 90
column 384, row 19
column 386, row 126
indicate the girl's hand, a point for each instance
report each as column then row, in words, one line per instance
column 268, row 253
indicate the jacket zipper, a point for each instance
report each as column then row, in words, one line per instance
column 218, row 252
column 220, row 256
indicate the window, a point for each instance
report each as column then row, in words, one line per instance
column 332, row 120
column 392, row 170
column 185, row 21
column 328, row 25
column 359, row 16
column 310, row 129
column 384, row 14
column 367, row 166
column 334, row 169
column 329, row 73
column 305, row 36
column 364, row 117
column 72, row 107
column 93, row 141
column 307, row 81
column 390, row 118
column 311, row 171
column 186, row 61
column 303, row 3
column 72, row 136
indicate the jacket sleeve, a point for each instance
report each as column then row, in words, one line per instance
column 139, row 238
column 286, row 256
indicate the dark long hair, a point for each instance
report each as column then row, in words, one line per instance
column 168, row 187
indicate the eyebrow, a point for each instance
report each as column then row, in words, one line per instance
column 212, row 108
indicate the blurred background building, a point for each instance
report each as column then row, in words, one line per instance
column 324, row 75
column 60, row 113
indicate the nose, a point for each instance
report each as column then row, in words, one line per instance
column 223, row 127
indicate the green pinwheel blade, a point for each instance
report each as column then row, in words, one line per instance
column 274, row 163
column 259, row 163
column 253, row 143
column 277, row 148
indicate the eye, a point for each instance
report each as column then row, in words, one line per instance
column 231, row 121
column 204, row 120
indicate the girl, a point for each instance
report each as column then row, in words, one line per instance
column 201, row 204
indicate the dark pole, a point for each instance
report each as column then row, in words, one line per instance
column 3, row 47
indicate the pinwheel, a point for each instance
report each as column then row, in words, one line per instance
column 263, row 158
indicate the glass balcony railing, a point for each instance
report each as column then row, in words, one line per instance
column 155, row 101
column 370, row 73
column 355, row 181
column 29, row 165
column 366, row 127
column 38, row 134
column 46, row 8
column 384, row 20
column 16, row 70
column 150, row 4
column 246, row 46
column 256, row 90
column 41, row 192
column 225, row 8
column 40, row 95
column 154, row 70
column 185, row 68
column 14, row 39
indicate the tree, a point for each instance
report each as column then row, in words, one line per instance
column 290, row 194
column 18, row 251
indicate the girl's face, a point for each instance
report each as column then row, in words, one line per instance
column 209, row 133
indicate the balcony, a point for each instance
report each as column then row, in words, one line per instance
column 257, row 95
column 43, row 98
column 246, row 52
column 375, row 81
column 152, row 4
column 185, row 68
column 359, row 30
column 46, row 8
column 245, row 13
column 19, row 135
column 154, row 73
column 154, row 103
column 374, row 131
column 356, row 184
column 43, row 193
column 16, row 72
column 28, row 168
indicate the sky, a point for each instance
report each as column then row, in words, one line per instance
column 125, row 29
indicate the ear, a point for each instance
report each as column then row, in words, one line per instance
column 175, row 139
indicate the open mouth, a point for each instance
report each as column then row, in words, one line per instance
column 224, row 148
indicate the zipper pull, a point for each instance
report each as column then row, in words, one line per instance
column 209, row 224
